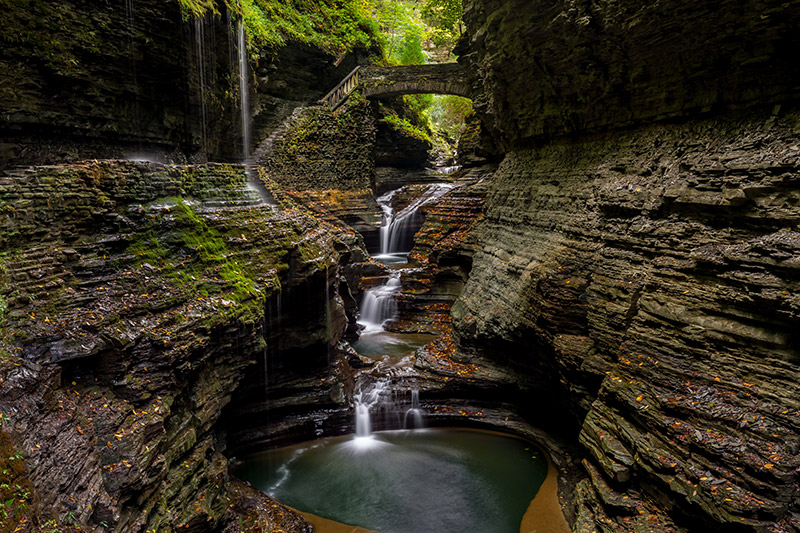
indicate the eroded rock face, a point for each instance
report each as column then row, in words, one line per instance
column 646, row 283
column 134, row 302
column 442, row 257
column 121, row 79
column 552, row 68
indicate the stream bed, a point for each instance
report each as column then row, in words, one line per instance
column 421, row 481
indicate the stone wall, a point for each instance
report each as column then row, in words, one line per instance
column 320, row 149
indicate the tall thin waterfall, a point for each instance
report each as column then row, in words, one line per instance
column 378, row 304
column 244, row 93
column 130, row 15
column 199, row 40
column 414, row 412
column 397, row 232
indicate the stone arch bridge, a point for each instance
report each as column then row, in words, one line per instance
column 386, row 82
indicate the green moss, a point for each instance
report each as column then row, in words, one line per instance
column 335, row 26
column 4, row 286
column 404, row 126
column 195, row 259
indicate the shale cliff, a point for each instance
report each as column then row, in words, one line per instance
column 550, row 68
column 642, row 283
column 134, row 299
column 144, row 79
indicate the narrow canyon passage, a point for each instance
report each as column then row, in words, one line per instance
column 402, row 266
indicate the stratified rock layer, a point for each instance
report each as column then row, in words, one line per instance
column 645, row 285
column 134, row 297
column 550, row 68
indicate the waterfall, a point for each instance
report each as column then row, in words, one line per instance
column 365, row 400
column 378, row 304
column 379, row 396
column 244, row 93
column 130, row 15
column 414, row 412
column 397, row 232
column 199, row 39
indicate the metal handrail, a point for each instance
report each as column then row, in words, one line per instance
column 339, row 94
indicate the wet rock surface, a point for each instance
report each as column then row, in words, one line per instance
column 548, row 69
column 134, row 303
column 644, row 285
column 442, row 257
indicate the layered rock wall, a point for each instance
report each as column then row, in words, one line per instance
column 134, row 299
column 641, row 282
column 649, row 280
column 550, row 68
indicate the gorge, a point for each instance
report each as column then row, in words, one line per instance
column 201, row 263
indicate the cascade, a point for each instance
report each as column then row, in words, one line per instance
column 397, row 232
column 379, row 396
column 365, row 400
column 378, row 304
column 244, row 94
column 414, row 412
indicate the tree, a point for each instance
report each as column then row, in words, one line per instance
column 444, row 16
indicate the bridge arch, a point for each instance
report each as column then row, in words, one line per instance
column 386, row 82
column 435, row 78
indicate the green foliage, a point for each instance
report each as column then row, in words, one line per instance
column 447, row 114
column 336, row 26
column 405, row 126
column 410, row 50
column 444, row 17
column 199, row 8
column 403, row 29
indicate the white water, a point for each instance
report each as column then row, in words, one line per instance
column 378, row 304
column 378, row 397
column 415, row 413
column 199, row 40
column 130, row 13
column 244, row 93
column 397, row 227
column 365, row 400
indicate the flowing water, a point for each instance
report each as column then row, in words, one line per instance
column 378, row 304
column 130, row 15
column 244, row 92
column 200, row 64
column 408, row 480
column 398, row 229
column 431, row 481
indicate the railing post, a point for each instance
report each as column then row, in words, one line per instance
column 339, row 94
